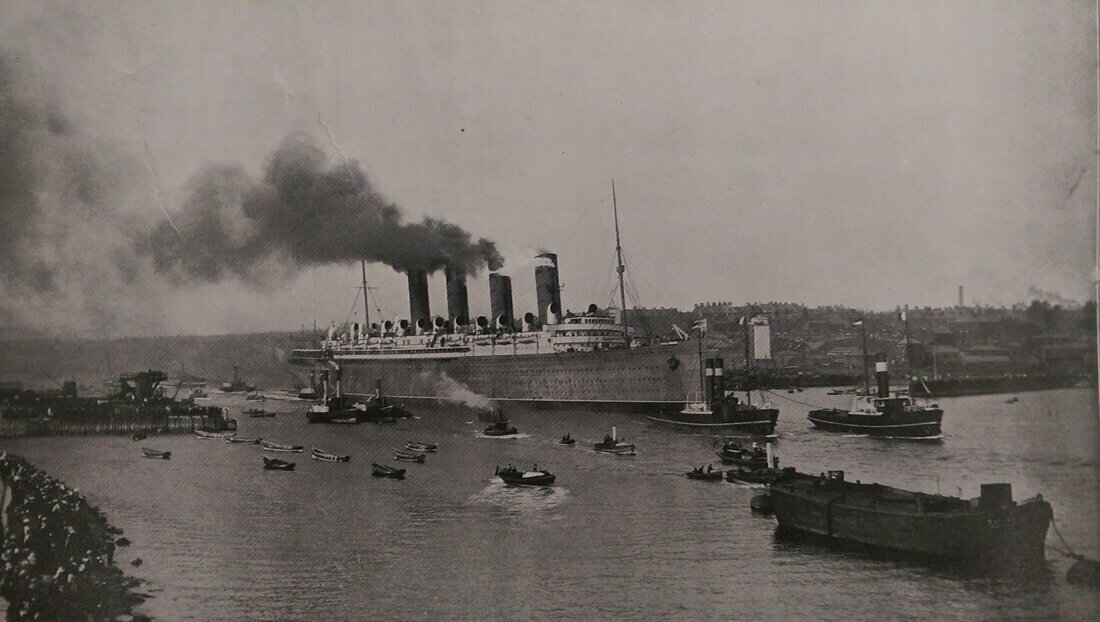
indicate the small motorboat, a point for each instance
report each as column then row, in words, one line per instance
column 155, row 453
column 1012, row 400
column 242, row 440
column 255, row 397
column 324, row 456
column 501, row 428
column 534, row 477
column 274, row 464
column 612, row 444
column 209, row 436
column 567, row 440
column 836, row 392
column 405, row 456
column 417, row 446
column 140, row 436
column 269, row 446
column 732, row 452
column 381, row 470
column 707, row 475
column 258, row 412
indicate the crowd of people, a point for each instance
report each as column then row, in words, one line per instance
column 57, row 561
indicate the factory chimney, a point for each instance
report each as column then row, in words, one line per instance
column 500, row 300
column 418, row 297
column 458, row 303
column 961, row 296
column 547, row 290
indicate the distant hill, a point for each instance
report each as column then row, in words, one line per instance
column 261, row 358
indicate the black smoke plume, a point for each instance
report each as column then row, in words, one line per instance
column 305, row 211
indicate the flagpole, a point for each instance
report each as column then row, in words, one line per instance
column 748, row 360
column 866, row 378
column 702, row 382
column 908, row 363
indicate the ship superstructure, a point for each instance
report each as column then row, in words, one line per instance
column 548, row 358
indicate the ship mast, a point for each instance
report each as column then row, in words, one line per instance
column 620, row 268
column 366, row 303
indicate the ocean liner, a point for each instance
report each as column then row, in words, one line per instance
column 550, row 359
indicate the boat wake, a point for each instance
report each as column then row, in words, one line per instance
column 520, row 501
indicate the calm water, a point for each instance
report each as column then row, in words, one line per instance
column 618, row 538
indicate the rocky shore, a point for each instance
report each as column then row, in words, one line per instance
column 57, row 560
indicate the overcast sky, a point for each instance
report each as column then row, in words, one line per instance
column 872, row 154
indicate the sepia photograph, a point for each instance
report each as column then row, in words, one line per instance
column 549, row 310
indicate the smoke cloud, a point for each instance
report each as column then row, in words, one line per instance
column 304, row 211
column 65, row 258
column 88, row 249
column 455, row 391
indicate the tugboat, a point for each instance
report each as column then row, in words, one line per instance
column 236, row 385
column 991, row 532
column 884, row 413
column 337, row 407
column 611, row 444
column 534, row 477
column 719, row 409
column 500, row 426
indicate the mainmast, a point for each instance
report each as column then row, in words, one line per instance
column 366, row 303
column 619, row 253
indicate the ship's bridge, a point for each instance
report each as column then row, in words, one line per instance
column 586, row 333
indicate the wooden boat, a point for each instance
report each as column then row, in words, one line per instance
column 1012, row 400
column 611, row 444
column 534, row 477
column 258, row 412
column 992, row 532
column 381, row 470
column 274, row 464
column 404, row 456
column 417, row 446
column 208, row 436
column 704, row 475
column 155, row 453
column 140, row 436
column 242, row 440
column 269, row 446
column 324, row 456
column 567, row 440
column 255, row 397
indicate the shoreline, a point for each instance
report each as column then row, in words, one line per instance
column 58, row 551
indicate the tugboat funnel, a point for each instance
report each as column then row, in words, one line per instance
column 882, row 377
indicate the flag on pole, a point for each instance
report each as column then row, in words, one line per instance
column 700, row 325
column 901, row 316
column 857, row 323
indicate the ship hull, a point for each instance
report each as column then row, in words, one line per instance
column 648, row 380
column 923, row 425
column 729, row 419
column 1008, row 539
